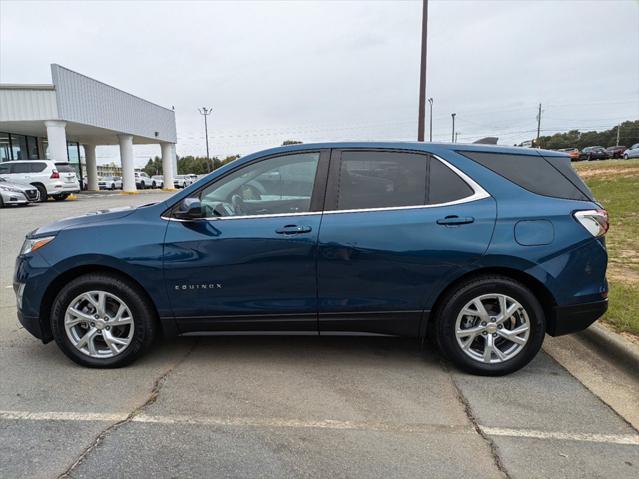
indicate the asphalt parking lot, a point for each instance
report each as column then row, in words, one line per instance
column 286, row 407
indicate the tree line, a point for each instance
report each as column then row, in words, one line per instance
column 197, row 165
column 628, row 135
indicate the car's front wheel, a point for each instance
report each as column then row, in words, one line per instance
column 102, row 321
column 490, row 325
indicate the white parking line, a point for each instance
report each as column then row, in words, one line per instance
column 624, row 439
column 631, row 439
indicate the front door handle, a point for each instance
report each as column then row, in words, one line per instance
column 293, row 230
column 454, row 220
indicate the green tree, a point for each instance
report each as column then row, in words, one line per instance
column 628, row 135
column 153, row 166
column 291, row 142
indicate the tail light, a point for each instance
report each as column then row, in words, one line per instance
column 595, row 221
column 55, row 175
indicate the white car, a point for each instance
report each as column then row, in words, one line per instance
column 55, row 179
column 632, row 152
column 143, row 181
column 159, row 181
column 17, row 194
column 182, row 181
column 110, row 183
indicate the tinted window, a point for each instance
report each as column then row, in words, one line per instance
column 64, row 168
column 374, row 179
column 279, row 185
column 37, row 166
column 4, row 169
column 20, row 168
column 534, row 173
column 445, row 185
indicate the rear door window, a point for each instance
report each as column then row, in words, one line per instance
column 375, row 179
column 20, row 168
column 445, row 185
column 544, row 176
column 37, row 166
column 391, row 179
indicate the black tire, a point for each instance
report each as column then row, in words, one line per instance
column 153, row 185
column 1, row 202
column 112, row 186
column 61, row 197
column 625, row 157
column 43, row 192
column 142, row 311
column 451, row 306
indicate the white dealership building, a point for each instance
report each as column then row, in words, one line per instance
column 55, row 121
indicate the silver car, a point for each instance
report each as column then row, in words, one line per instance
column 17, row 194
column 632, row 152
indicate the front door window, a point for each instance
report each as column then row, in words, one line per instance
column 276, row 186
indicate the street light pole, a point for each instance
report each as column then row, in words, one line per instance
column 422, row 74
column 452, row 139
column 205, row 112
column 430, row 100
column 538, row 127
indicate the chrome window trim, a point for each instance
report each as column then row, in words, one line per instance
column 479, row 193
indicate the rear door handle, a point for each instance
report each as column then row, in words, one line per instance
column 453, row 220
column 293, row 230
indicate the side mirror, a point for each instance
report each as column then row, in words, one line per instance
column 188, row 209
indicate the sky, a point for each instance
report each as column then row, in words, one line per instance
column 340, row 70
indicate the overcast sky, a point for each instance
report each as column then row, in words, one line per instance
column 336, row 70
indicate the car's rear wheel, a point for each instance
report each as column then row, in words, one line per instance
column 490, row 325
column 102, row 321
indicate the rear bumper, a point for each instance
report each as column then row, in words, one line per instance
column 576, row 317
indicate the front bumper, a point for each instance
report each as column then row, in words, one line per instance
column 14, row 198
column 576, row 317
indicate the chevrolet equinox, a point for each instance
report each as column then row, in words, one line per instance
column 482, row 249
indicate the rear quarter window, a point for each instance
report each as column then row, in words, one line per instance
column 37, row 166
column 552, row 176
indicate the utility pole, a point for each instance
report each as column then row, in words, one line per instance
column 618, row 130
column 456, row 136
column 430, row 100
column 205, row 112
column 452, row 138
column 422, row 74
column 538, row 127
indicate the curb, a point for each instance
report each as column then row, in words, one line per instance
column 613, row 345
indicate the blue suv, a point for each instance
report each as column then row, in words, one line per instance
column 481, row 249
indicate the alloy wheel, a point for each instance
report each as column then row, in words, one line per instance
column 99, row 324
column 492, row 328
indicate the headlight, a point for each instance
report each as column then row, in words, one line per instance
column 33, row 244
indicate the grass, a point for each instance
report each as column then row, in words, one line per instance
column 615, row 183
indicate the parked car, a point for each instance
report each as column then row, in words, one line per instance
column 574, row 153
column 616, row 151
column 182, row 181
column 110, row 183
column 143, row 181
column 594, row 153
column 632, row 152
column 159, row 181
column 336, row 238
column 55, row 179
column 17, row 194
